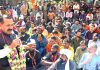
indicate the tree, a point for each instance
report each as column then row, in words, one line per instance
column 57, row 1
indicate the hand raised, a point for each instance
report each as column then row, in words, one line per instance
column 15, row 43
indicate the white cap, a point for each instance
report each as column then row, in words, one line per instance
column 92, row 44
column 32, row 41
column 66, row 52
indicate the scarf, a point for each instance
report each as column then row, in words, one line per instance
column 67, row 65
column 68, row 53
column 32, row 56
column 16, row 57
column 17, row 60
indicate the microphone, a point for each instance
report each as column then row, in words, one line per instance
column 13, row 36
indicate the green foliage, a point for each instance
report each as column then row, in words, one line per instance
column 57, row 1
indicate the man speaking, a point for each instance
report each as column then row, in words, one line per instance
column 12, row 57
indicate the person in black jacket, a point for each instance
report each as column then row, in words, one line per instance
column 24, row 35
column 51, row 57
column 33, row 57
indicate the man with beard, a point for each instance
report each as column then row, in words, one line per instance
column 76, row 26
column 41, row 41
column 59, row 24
column 79, row 52
column 90, row 60
column 63, row 63
column 90, row 32
column 24, row 35
column 66, row 45
column 33, row 57
column 11, row 60
column 75, row 41
column 51, row 57
column 95, row 39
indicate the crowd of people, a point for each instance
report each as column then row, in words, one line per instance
column 50, row 36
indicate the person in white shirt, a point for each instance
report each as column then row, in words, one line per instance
column 95, row 40
column 76, row 8
column 4, row 52
column 69, row 14
column 39, row 14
